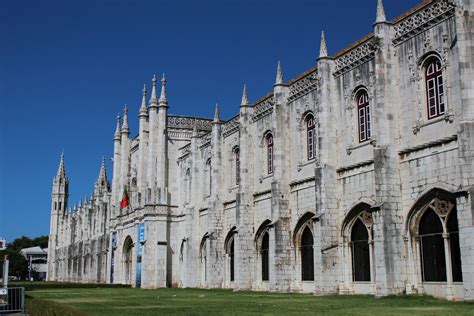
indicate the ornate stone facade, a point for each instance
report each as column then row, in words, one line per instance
column 342, row 180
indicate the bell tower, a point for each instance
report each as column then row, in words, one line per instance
column 58, row 208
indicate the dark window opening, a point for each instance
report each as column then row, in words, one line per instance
column 307, row 255
column 454, row 246
column 433, row 262
column 231, row 256
column 265, row 257
column 360, row 252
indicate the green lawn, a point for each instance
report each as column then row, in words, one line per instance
column 127, row 301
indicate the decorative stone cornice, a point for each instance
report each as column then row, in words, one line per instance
column 303, row 85
column 420, row 20
column 231, row 126
column 189, row 122
column 263, row 108
column 357, row 55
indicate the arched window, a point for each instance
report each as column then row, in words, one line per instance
column 203, row 255
column 237, row 165
column 310, row 137
column 433, row 262
column 269, row 140
column 307, row 255
column 363, row 108
column 434, row 88
column 265, row 257
column 360, row 252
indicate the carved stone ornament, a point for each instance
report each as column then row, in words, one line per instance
column 354, row 57
column 421, row 20
column 441, row 207
column 263, row 109
column 303, row 86
column 231, row 126
column 366, row 218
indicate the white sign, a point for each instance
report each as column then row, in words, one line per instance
column 3, row 291
column 3, row 244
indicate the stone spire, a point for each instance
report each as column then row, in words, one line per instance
column 279, row 76
column 245, row 97
column 323, row 49
column 61, row 170
column 217, row 115
column 380, row 13
column 102, row 180
column 117, row 128
column 163, row 100
column 153, row 98
column 143, row 106
column 125, row 120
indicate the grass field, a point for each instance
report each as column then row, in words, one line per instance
column 127, row 301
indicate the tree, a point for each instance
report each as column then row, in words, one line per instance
column 18, row 265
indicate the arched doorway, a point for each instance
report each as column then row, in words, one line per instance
column 127, row 260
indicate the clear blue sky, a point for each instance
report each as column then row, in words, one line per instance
column 68, row 67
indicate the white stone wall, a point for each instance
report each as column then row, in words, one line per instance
column 409, row 160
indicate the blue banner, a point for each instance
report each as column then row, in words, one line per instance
column 141, row 239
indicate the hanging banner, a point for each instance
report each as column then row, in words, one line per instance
column 141, row 239
column 112, row 259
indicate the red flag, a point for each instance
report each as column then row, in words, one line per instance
column 124, row 203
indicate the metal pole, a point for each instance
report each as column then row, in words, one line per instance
column 5, row 271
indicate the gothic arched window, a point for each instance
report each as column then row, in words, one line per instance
column 269, row 141
column 433, row 262
column 434, row 88
column 310, row 137
column 363, row 109
column 265, row 257
column 237, row 165
column 360, row 252
column 307, row 255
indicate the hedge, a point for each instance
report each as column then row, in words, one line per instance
column 39, row 307
column 30, row 286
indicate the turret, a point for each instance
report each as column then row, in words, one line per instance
column 102, row 183
column 58, row 209
column 162, row 146
column 143, row 148
column 152, row 142
column 117, row 160
column 125, row 151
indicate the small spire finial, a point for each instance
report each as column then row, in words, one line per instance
column 380, row 13
column 153, row 98
column 125, row 120
column 102, row 179
column 323, row 49
column 163, row 100
column 61, row 169
column 245, row 97
column 117, row 128
column 143, row 105
column 217, row 115
column 279, row 75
